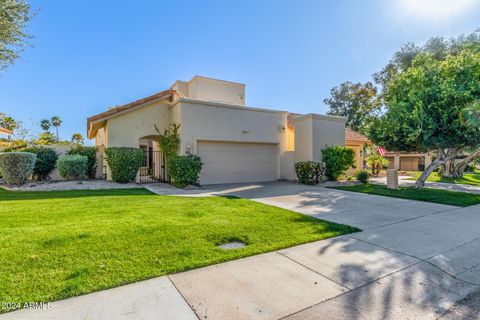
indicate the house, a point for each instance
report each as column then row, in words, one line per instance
column 236, row 143
column 406, row 161
column 357, row 142
column 5, row 131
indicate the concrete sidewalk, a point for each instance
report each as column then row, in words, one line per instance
column 413, row 261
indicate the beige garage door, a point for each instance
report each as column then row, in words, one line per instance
column 228, row 162
column 409, row 163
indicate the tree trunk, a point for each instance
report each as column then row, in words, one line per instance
column 56, row 129
column 459, row 168
column 448, row 169
column 443, row 157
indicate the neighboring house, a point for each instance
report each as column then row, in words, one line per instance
column 5, row 131
column 405, row 161
column 236, row 143
column 357, row 142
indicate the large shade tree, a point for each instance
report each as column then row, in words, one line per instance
column 433, row 105
column 357, row 102
column 14, row 16
column 439, row 49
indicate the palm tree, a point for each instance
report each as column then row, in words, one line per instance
column 45, row 124
column 8, row 123
column 77, row 138
column 56, row 122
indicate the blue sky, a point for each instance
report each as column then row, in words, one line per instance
column 89, row 55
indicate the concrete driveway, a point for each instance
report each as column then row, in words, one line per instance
column 413, row 260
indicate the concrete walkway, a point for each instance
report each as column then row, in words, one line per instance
column 412, row 261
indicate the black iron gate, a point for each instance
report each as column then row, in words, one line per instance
column 153, row 169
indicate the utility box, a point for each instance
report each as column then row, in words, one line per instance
column 392, row 179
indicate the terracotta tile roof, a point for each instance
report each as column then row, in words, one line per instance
column 351, row 135
column 171, row 93
column 5, row 131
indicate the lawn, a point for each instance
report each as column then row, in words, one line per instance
column 460, row 199
column 468, row 178
column 61, row 244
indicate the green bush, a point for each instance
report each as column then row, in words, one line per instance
column 91, row 154
column 310, row 172
column 337, row 161
column 124, row 163
column 16, row 167
column 362, row 176
column 184, row 170
column 72, row 166
column 46, row 161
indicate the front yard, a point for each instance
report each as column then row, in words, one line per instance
column 459, row 199
column 63, row 243
column 468, row 178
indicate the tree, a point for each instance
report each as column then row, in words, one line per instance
column 433, row 105
column 56, row 122
column 14, row 16
column 375, row 161
column 45, row 138
column 439, row 49
column 77, row 138
column 45, row 124
column 8, row 123
column 357, row 102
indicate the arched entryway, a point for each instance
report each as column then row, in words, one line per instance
column 153, row 168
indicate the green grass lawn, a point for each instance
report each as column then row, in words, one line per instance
column 460, row 199
column 468, row 178
column 59, row 244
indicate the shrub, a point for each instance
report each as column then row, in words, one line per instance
column 16, row 167
column 310, row 172
column 362, row 176
column 72, row 166
column 337, row 161
column 46, row 161
column 184, row 170
column 124, row 163
column 91, row 154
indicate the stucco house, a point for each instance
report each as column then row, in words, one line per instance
column 4, row 131
column 236, row 143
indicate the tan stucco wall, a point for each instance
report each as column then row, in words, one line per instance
column 313, row 132
column 217, row 122
column 359, row 157
column 126, row 130
column 208, row 89
column 290, row 139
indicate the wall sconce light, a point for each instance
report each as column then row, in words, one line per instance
column 245, row 131
column 188, row 148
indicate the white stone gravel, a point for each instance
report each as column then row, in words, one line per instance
column 71, row 185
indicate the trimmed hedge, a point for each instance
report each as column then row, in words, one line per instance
column 91, row 154
column 46, row 161
column 16, row 167
column 310, row 172
column 72, row 166
column 362, row 176
column 337, row 161
column 184, row 170
column 124, row 163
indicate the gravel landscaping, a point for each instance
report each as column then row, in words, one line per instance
column 70, row 185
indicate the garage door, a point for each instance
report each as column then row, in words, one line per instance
column 228, row 162
column 409, row 163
